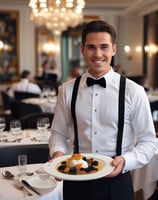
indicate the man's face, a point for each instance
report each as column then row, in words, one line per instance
column 98, row 51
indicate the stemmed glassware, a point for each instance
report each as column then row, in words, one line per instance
column 2, row 127
column 15, row 128
column 43, row 124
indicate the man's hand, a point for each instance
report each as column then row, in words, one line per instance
column 118, row 162
column 57, row 154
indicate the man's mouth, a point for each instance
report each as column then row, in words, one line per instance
column 98, row 61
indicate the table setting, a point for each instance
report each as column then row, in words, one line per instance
column 17, row 136
column 34, row 183
column 24, row 137
column 46, row 103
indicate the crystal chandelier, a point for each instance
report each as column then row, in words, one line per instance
column 57, row 15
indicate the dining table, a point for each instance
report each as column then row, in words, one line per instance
column 24, row 137
column 47, row 104
column 144, row 179
column 10, row 191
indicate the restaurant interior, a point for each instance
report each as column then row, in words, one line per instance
column 31, row 40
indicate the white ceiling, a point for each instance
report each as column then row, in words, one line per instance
column 119, row 7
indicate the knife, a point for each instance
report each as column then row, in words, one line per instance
column 25, row 183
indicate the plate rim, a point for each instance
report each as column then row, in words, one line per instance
column 99, row 174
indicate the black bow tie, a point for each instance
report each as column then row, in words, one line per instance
column 101, row 82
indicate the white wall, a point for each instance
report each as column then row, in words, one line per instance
column 130, row 32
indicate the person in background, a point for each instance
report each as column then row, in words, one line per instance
column 119, row 69
column 26, row 84
column 97, row 120
column 45, row 70
column 74, row 72
column 143, row 81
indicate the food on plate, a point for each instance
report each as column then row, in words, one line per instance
column 78, row 164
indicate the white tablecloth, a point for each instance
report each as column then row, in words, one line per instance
column 145, row 178
column 47, row 104
column 28, row 137
column 9, row 192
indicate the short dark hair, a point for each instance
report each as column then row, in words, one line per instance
column 98, row 26
column 25, row 74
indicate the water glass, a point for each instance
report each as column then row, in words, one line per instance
column 22, row 164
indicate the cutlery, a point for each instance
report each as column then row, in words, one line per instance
column 20, row 186
column 7, row 174
column 25, row 183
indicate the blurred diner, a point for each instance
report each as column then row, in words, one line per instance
column 26, row 84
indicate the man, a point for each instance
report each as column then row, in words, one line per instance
column 97, row 120
column 25, row 84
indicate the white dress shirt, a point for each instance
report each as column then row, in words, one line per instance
column 25, row 86
column 97, row 119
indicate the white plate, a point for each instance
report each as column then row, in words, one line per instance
column 40, row 184
column 51, row 168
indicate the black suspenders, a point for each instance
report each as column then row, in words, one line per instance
column 120, row 116
column 73, row 113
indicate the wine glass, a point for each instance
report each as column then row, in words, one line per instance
column 42, row 125
column 2, row 127
column 15, row 128
column 2, row 124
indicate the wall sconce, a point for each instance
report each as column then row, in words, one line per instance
column 127, row 50
column 1, row 45
column 49, row 47
column 151, row 49
column 129, row 53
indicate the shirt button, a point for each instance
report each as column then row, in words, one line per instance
column 96, row 151
column 96, row 94
column 95, row 110
column 95, row 133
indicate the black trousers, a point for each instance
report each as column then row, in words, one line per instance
column 117, row 188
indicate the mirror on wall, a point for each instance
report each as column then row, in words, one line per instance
column 9, row 46
column 150, row 57
column 45, row 48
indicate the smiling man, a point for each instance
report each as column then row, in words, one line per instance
column 111, row 116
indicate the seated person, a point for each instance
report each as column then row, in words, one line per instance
column 26, row 84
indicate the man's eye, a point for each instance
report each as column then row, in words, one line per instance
column 104, row 47
column 90, row 47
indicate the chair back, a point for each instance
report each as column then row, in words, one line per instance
column 8, row 118
column 6, row 100
column 30, row 121
column 20, row 109
column 35, row 154
column 154, row 111
column 19, row 95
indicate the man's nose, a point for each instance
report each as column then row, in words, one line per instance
column 98, row 52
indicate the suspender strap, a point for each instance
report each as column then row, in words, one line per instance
column 121, row 114
column 73, row 113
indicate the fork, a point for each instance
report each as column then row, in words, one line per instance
column 20, row 186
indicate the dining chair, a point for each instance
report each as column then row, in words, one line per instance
column 8, row 118
column 20, row 109
column 19, row 95
column 35, row 154
column 154, row 111
column 30, row 121
column 6, row 101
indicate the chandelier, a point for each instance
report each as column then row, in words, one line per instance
column 57, row 15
